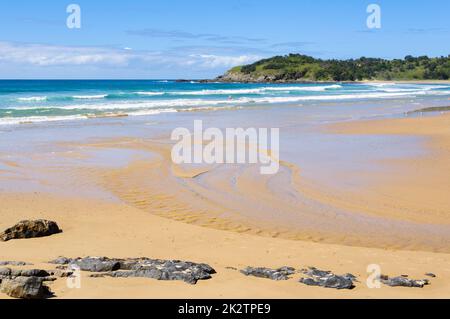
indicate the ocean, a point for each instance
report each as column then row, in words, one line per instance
column 33, row 101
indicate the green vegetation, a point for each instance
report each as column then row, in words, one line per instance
column 297, row 67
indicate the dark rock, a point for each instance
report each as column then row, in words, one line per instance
column 350, row 276
column 430, row 274
column 327, row 279
column 274, row 274
column 30, row 229
column 403, row 282
column 33, row 273
column 96, row 264
column 160, row 269
column 61, row 273
column 25, row 288
column 14, row 263
column 60, row 261
column 231, row 268
column 5, row 272
column 93, row 264
column 11, row 273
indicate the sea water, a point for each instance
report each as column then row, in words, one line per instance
column 41, row 101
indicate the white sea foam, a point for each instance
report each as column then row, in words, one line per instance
column 380, row 84
column 261, row 90
column 38, row 119
column 41, row 119
column 237, row 101
column 32, row 99
column 90, row 97
column 149, row 93
column 392, row 88
column 153, row 106
column 396, row 90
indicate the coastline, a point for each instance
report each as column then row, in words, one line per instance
column 132, row 224
column 321, row 82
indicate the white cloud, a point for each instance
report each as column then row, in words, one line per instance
column 49, row 55
column 52, row 55
column 25, row 60
column 216, row 61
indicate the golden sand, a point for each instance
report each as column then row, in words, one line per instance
column 96, row 228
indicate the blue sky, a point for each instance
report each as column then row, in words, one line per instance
column 202, row 39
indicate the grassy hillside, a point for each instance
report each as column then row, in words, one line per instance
column 296, row 67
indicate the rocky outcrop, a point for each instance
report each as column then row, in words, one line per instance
column 245, row 78
column 327, row 279
column 14, row 263
column 141, row 267
column 93, row 264
column 274, row 274
column 25, row 288
column 403, row 281
column 30, row 229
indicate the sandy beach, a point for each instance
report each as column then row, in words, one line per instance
column 146, row 206
column 217, row 158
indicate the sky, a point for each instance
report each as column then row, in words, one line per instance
column 192, row 39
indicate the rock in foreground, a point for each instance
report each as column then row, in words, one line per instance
column 141, row 267
column 327, row 279
column 6, row 273
column 25, row 288
column 274, row 274
column 93, row 264
column 403, row 282
column 30, row 229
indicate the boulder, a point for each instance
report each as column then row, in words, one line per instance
column 9, row 273
column 30, row 229
column 327, row 279
column 274, row 274
column 25, row 288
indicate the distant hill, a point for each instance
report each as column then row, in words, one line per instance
column 303, row 68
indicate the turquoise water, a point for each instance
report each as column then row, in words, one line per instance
column 59, row 100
